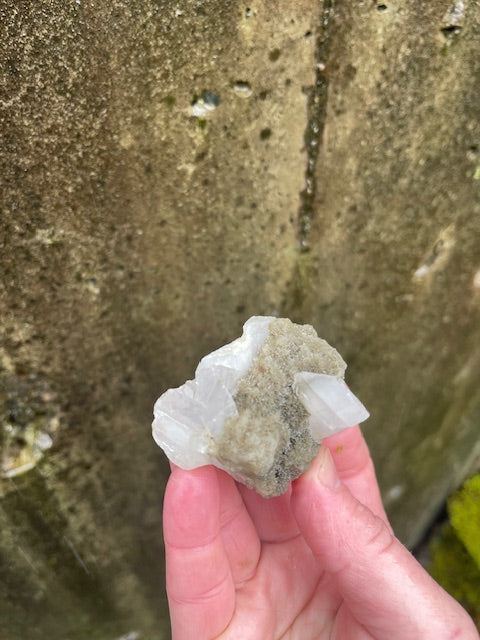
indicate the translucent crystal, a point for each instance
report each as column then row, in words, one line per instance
column 259, row 406
column 330, row 403
column 187, row 418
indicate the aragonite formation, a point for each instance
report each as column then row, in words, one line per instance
column 259, row 406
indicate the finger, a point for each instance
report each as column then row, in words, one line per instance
column 240, row 538
column 272, row 517
column 383, row 586
column 355, row 467
column 199, row 582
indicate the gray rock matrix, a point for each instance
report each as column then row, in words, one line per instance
column 269, row 443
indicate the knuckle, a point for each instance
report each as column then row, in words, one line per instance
column 379, row 538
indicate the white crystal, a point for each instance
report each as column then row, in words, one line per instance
column 188, row 417
column 258, row 406
column 232, row 361
column 330, row 403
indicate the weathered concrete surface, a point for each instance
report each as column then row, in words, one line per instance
column 136, row 237
column 393, row 275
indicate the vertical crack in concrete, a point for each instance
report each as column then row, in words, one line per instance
column 317, row 107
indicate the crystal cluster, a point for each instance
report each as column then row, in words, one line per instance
column 259, row 406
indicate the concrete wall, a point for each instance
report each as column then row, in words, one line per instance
column 336, row 181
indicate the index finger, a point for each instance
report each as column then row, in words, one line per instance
column 355, row 467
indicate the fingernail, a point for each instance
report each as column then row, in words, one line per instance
column 326, row 472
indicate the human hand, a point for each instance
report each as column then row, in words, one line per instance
column 318, row 562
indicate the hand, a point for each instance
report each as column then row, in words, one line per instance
column 318, row 562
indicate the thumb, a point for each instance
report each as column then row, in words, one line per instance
column 383, row 587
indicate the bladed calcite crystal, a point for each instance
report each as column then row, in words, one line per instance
column 259, row 406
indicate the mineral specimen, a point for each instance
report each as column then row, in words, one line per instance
column 259, row 406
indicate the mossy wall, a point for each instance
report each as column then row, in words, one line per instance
column 336, row 181
column 455, row 550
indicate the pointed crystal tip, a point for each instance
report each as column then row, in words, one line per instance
column 330, row 403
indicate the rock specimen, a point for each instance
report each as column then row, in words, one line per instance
column 259, row 406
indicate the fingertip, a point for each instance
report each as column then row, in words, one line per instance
column 324, row 470
column 321, row 474
column 191, row 506
column 327, row 513
column 349, row 451
column 199, row 582
column 355, row 467
column 314, row 499
column 190, row 482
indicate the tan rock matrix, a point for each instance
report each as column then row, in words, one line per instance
column 259, row 406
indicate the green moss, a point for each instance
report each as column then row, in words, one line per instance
column 454, row 569
column 456, row 550
column 169, row 101
column 464, row 511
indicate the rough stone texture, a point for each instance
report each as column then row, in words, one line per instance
column 269, row 443
column 135, row 238
column 393, row 275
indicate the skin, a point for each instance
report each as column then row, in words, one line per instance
column 318, row 562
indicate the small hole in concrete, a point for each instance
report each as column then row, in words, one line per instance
column 242, row 89
column 274, row 55
column 451, row 30
column 265, row 133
